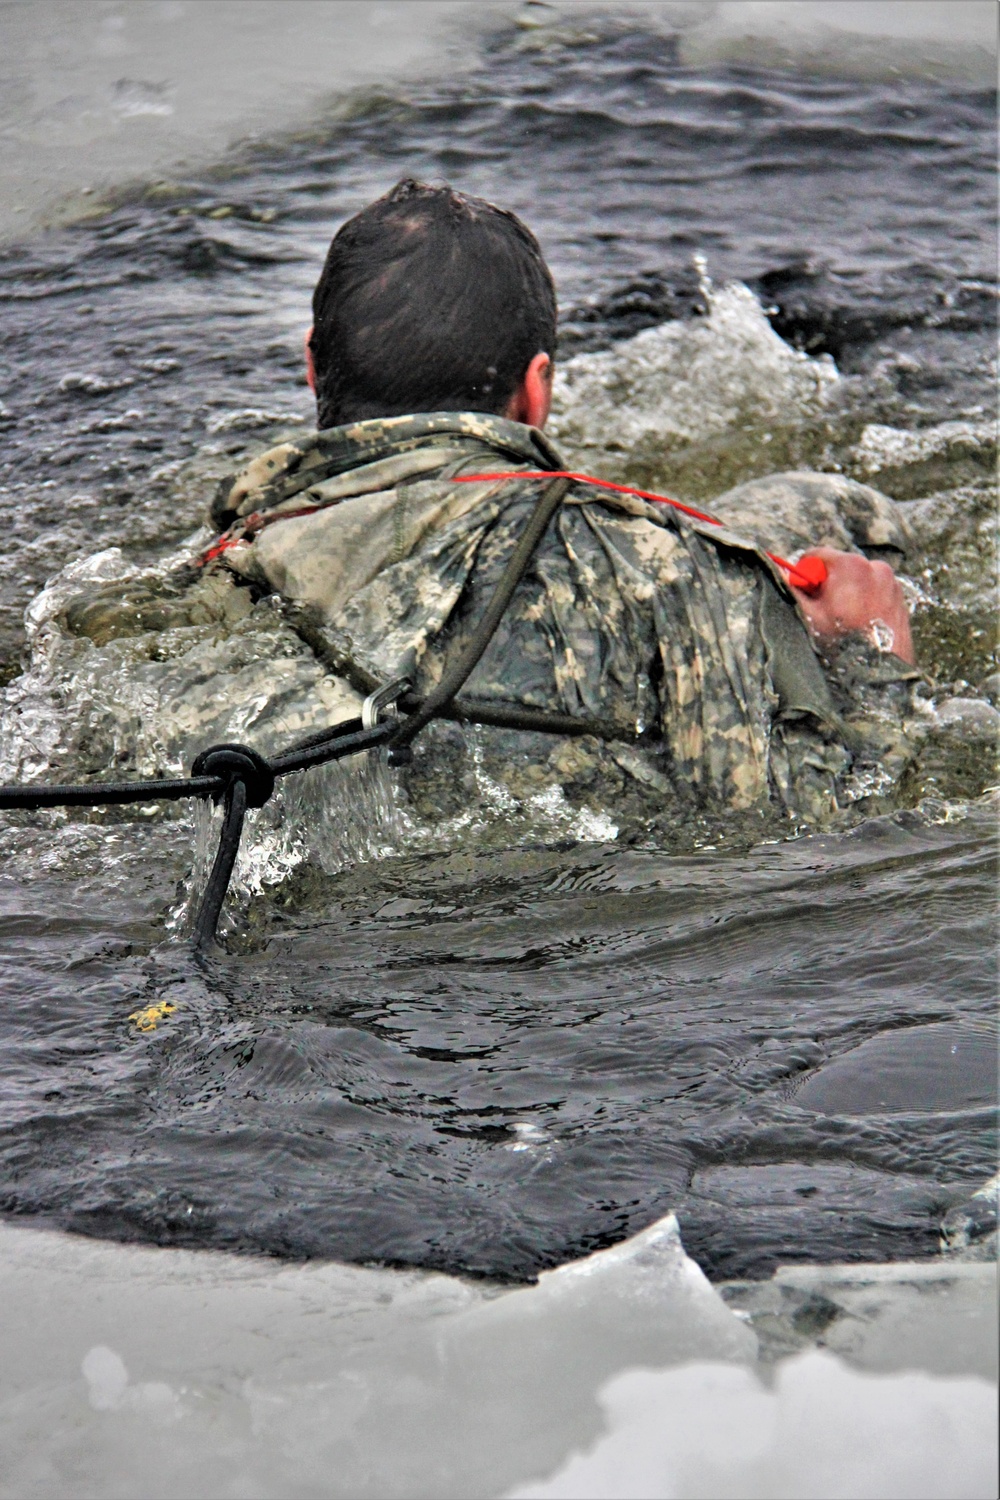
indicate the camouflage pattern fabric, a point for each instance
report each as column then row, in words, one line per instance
column 791, row 513
column 681, row 634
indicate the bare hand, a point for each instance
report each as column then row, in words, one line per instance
column 858, row 595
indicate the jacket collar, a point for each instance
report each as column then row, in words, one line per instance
column 291, row 467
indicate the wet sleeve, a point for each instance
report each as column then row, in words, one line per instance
column 153, row 604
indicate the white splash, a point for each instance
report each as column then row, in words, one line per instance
column 881, row 447
column 683, row 382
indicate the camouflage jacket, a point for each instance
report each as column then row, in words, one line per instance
column 679, row 636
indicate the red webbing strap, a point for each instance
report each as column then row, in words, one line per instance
column 809, row 574
column 251, row 527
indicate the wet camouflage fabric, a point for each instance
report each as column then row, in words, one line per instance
column 630, row 613
column 681, row 634
column 791, row 513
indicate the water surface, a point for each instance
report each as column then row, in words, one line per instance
column 494, row 1060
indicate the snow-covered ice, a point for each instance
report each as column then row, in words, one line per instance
column 823, row 1429
column 135, row 1371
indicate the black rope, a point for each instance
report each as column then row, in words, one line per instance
column 214, row 894
column 243, row 778
column 540, row 720
column 323, row 736
column 332, row 748
column 109, row 793
column 238, row 763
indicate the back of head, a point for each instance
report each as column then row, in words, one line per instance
column 429, row 301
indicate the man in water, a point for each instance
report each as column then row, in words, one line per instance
column 698, row 680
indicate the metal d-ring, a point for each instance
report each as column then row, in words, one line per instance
column 382, row 698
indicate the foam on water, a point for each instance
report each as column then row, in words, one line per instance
column 881, row 447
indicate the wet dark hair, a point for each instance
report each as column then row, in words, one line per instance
column 429, row 301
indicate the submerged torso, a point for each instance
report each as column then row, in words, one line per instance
column 364, row 554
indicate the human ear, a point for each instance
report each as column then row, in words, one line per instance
column 310, row 366
column 531, row 401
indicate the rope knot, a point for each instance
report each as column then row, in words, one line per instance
column 238, row 763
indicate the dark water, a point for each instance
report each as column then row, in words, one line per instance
column 496, row 1061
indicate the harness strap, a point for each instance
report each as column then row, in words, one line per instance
column 308, row 627
column 551, row 498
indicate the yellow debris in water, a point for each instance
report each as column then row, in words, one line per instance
column 145, row 1020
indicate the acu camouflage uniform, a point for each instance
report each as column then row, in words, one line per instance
column 681, row 637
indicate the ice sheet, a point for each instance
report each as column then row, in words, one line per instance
column 824, row 1429
column 96, row 94
column 131, row 1371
